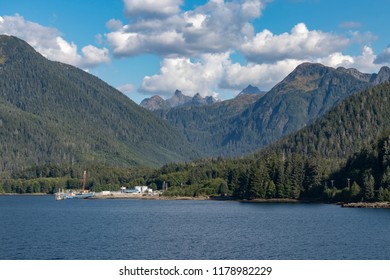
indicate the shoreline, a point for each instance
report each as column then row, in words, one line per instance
column 24, row 194
column 213, row 198
column 274, row 200
column 145, row 197
column 372, row 205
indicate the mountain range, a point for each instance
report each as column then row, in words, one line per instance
column 178, row 99
column 54, row 113
column 304, row 95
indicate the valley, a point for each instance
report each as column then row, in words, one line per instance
column 301, row 140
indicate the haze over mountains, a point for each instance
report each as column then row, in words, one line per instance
column 53, row 113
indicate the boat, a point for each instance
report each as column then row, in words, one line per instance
column 83, row 194
column 62, row 195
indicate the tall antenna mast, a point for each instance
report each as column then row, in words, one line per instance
column 84, row 179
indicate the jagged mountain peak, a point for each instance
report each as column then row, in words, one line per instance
column 178, row 93
column 154, row 103
column 199, row 100
column 382, row 76
column 355, row 73
column 177, row 100
column 197, row 96
column 384, row 69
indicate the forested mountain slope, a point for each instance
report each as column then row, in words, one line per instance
column 343, row 156
column 306, row 94
column 344, row 130
column 55, row 113
column 303, row 96
column 206, row 127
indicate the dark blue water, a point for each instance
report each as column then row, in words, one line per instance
column 42, row 228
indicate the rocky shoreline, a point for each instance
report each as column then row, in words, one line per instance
column 367, row 205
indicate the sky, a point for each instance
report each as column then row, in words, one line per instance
column 211, row 47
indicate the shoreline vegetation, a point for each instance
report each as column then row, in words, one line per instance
column 382, row 205
column 269, row 176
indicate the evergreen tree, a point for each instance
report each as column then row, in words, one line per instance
column 223, row 189
column 354, row 192
column 385, row 181
column 368, row 185
column 312, row 175
column 256, row 188
column 242, row 191
column 271, row 189
column 380, row 195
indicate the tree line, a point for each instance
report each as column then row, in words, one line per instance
column 270, row 175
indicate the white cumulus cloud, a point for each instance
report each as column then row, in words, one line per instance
column 265, row 76
column 300, row 44
column 214, row 27
column 215, row 72
column 152, row 8
column 365, row 62
column 201, row 76
column 49, row 42
column 93, row 56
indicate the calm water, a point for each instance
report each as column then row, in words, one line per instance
column 42, row 228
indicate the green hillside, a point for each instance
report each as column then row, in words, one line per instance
column 344, row 130
column 53, row 113
column 351, row 142
column 206, row 127
column 307, row 93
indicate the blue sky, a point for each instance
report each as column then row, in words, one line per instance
column 216, row 47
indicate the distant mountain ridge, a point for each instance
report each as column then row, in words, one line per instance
column 374, row 79
column 54, row 113
column 251, row 90
column 178, row 99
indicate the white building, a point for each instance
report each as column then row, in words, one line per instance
column 139, row 189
